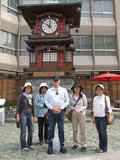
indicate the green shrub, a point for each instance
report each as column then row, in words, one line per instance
column 11, row 102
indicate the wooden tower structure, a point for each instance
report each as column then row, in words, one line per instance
column 51, row 47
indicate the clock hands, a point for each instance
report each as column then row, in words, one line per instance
column 50, row 22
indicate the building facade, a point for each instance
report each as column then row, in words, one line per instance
column 97, row 41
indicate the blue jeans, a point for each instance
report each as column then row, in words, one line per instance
column 101, row 125
column 53, row 119
column 26, row 120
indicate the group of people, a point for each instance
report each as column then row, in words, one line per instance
column 51, row 104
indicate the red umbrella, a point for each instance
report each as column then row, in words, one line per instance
column 107, row 77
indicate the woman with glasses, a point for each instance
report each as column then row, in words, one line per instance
column 78, row 103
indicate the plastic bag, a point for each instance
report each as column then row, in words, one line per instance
column 56, row 143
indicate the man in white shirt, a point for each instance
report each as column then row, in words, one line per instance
column 56, row 100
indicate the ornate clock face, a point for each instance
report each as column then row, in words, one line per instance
column 49, row 26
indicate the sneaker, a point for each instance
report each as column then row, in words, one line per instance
column 31, row 147
column 74, row 147
column 63, row 149
column 83, row 149
column 25, row 149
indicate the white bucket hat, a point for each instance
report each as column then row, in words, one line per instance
column 99, row 85
column 28, row 84
column 43, row 85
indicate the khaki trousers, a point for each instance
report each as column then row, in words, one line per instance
column 81, row 120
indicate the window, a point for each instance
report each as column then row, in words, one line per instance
column 23, row 45
column 31, row 1
column 68, row 56
column 8, row 43
column 10, row 6
column 83, row 45
column 47, row 57
column 105, row 46
column 32, row 57
column 103, row 8
column 85, row 8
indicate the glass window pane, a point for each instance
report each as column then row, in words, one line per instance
column 9, row 51
column 85, row 8
column 86, row 5
column 97, row 5
column 68, row 56
column 86, row 42
column 110, row 53
column 108, row 6
column 12, row 40
column 1, row 50
column 13, row 3
column 31, row 1
column 99, row 53
column 3, row 38
column 83, row 53
column 24, row 53
column 99, row 42
column 76, row 42
column 110, row 42
column 23, row 45
column 32, row 57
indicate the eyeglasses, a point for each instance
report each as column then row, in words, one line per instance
column 57, row 93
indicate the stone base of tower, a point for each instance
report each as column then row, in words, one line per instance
column 64, row 82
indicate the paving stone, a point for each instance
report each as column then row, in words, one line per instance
column 10, row 144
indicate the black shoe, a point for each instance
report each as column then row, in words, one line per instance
column 74, row 147
column 63, row 149
column 83, row 149
column 50, row 150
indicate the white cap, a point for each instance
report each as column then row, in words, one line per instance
column 43, row 85
column 99, row 85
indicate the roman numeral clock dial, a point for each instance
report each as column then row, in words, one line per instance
column 49, row 26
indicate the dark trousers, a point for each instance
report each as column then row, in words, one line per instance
column 53, row 119
column 26, row 120
column 42, row 123
column 101, row 126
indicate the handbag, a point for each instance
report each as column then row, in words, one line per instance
column 107, row 113
column 69, row 115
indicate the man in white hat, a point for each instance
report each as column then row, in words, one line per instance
column 56, row 100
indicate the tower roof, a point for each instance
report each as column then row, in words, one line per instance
column 71, row 11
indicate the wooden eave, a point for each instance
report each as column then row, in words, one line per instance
column 71, row 11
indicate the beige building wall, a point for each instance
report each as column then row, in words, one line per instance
column 8, row 23
column 117, row 16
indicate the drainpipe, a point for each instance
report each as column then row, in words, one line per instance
column 92, row 29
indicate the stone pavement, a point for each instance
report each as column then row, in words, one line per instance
column 10, row 145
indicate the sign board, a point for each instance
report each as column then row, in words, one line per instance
column 47, row 74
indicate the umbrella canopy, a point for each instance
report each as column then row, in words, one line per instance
column 107, row 77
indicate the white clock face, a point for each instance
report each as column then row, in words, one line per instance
column 49, row 26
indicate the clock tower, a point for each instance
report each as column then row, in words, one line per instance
column 51, row 47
